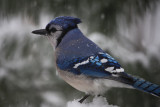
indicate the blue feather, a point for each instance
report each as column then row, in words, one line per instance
column 146, row 86
column 65, row 21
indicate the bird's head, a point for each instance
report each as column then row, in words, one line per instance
column 58, row 27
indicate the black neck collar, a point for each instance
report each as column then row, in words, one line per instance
column 63, row 34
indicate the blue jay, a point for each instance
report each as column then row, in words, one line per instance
column 84, row 65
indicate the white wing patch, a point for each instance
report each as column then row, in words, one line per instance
column 109, row 69
column 104, row 60
column 82, row 63
column 120, row 70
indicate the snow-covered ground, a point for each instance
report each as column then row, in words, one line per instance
column 97, row 102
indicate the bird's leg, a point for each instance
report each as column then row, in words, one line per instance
column 86, row 96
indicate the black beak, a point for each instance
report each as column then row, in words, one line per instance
column 40, row 32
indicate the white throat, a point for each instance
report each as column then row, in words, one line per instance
column 54, row 37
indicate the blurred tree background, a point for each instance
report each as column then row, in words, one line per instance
column 126, row 29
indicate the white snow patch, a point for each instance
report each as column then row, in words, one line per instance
column 97, row 102
column 52, row 98
column 3, row 73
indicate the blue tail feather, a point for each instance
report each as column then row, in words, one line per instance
column 146, row 86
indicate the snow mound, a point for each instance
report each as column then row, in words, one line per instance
column 97, row 102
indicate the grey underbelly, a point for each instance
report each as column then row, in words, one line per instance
column 89, row 85
column 80, row 82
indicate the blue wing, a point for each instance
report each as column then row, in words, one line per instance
column 99, row 65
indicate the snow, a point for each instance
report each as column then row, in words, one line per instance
column 97, row 102
column 53, row 99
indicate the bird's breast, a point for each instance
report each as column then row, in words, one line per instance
column 81, row 82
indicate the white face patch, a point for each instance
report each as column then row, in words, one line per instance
column 104, row 60
column 82, row 63
column 109, row 69
column 120, row 70
column 53, row 38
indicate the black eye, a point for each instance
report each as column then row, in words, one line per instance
column 52, row 29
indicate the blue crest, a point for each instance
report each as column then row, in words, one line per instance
column 65, row 22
